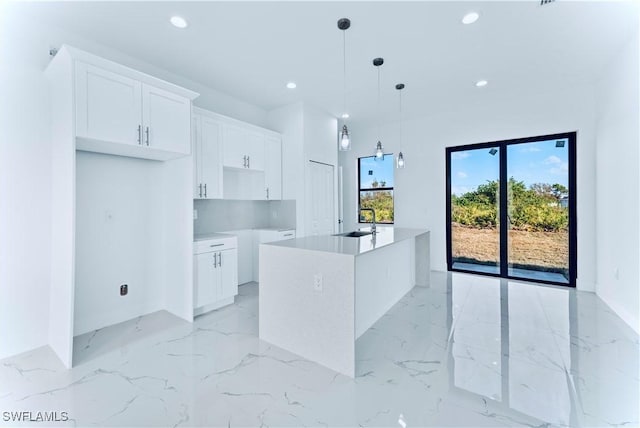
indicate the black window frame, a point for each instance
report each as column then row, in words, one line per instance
column 360, row 190
column 573, row 218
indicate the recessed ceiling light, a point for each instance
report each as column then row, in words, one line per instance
column 470, row 18
column 178, row 21
column 481, row 83
column 345, row 115
column 291, row 85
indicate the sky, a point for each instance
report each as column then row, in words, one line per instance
column 538, row 162
column 380, row 170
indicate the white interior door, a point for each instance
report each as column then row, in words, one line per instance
column 321, row 199
column 340, row 202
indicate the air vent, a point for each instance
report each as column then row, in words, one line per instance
column 544, row 2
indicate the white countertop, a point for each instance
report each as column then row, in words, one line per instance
column 207, row 236
column 385, row 235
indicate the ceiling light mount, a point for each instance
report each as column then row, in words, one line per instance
column 344, row 23
column 378, row 62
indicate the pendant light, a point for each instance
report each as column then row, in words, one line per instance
column 400, row 159
column 379, row 150
column 345, row 138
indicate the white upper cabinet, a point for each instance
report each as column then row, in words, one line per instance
column 273, row 167
column 243, row 147
column 108, row 105
column 255, row 150
column 235, row 160
column 207, row 156
column 165, row 118
column 124, row 112
column 235, row 147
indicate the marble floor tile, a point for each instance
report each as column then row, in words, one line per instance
column 467, row 351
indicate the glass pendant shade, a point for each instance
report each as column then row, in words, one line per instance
column 400, row 160
column 345, row 139
column 379, row 152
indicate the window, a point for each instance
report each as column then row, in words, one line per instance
column 375, row 188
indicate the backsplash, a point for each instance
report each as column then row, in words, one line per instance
column 219, row 215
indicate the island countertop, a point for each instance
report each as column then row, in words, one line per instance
column 385, row 235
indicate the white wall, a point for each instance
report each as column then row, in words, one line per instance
column 118, row 237
column 219, row 215
column 25, row 190
column 308, row 133
column 618, row 184
column 25, row 166
column 420, row 187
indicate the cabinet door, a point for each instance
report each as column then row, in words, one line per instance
column 166, row 120
column 211, row 162
column 234, row 146
column 196, row 150
column 229, row 273
column 207, row 278
column 273, row 167
column 255, row 150
column 108, row 105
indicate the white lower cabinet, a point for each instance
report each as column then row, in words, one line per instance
column 215, row 273
column 245, row 254
column 262, row 236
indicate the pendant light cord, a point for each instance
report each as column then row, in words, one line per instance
column 379, row 116
column 344, row 70
column 400, row 120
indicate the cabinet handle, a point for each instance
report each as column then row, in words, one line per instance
column 244, row 161
column 200, row 186
column 216, row 245
column 205, row 190
column 248, row 161
column 139, row 134
column 267, row 193
column 147, row 133
column 288, row 234
column 220, row 259
column 215, row 260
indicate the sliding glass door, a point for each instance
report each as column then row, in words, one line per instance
column 511, row 208
column 475, row 207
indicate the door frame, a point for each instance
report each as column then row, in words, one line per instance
column 502, row 145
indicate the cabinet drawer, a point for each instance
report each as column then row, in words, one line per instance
column 218, row 244
column 286, row 234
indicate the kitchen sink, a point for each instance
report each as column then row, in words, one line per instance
column 356, row 234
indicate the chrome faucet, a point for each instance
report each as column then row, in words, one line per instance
column 373, row 224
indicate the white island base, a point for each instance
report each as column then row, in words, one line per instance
column 318, row 294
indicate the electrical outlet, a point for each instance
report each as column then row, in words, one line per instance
column 124, row 289
column 317, row 282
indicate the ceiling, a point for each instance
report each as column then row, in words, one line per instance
column 250, row 50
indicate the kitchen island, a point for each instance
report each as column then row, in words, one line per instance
column 318, row 294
